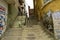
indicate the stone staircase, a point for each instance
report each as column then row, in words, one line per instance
column 13, row 34
column 35, row 32
column 20, row 20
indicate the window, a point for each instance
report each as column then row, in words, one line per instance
column 46, row 1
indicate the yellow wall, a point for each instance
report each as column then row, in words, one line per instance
column 53, row 5
column 37, row 8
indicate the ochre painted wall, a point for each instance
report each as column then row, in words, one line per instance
column 53, row 5
column 37, row 8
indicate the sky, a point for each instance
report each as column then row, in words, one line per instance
column 30, row 3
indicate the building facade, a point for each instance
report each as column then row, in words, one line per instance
column 48, row 12
column 10, row 10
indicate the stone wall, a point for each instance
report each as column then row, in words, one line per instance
column 13, row 12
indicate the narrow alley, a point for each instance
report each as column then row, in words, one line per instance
column 29, row 19
column 30, row 32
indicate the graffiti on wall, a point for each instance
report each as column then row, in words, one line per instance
column 56, row 22
column 2, row 18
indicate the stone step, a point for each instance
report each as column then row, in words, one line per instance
column 35, row 32
column 12, row 38
column 14, row 32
